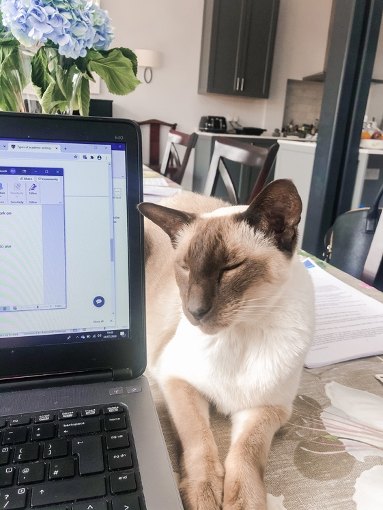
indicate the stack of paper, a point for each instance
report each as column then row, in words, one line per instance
column 156, row 186
column 349, row 324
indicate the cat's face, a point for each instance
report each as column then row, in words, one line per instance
column 230, row 265
column 226, row 272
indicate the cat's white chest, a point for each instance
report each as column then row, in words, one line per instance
column 233, row 372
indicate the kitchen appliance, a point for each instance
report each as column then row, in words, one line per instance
column 249, row 131
column 213, row 124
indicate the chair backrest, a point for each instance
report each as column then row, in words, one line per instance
column 172, row 165
column 154, row 140
column 243, row 153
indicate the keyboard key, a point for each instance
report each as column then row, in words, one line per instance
column 13, row 498
column 92, row 411
column 125, row 502
column 97, row 504
column 113, row 409
column 67, row 415
column 19, row 420
column 16, row 435
column 89, row 451
column 26, row 452
column 43, row 431
column 55, row 448
column 61, row 468
column 4, row 455
column 117, row 440
column 61, row 507
column 120, row 459
column 31, row 473
column 68, row 490
column 122, row 482
column 6, row 476
column 44, row 417
column 79, row 427
column 115, row 422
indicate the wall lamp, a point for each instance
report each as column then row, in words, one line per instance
column 148, row 59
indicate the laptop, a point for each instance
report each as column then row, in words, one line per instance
column 78, row 427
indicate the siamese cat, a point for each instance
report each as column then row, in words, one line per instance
column 230, row 316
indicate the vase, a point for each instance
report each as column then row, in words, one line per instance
column 38, row 80
column 65, row 84
column 54, row 83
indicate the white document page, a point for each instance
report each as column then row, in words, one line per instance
column 349, row 324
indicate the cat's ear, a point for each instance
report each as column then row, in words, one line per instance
column 276, row 211
column 170, row 220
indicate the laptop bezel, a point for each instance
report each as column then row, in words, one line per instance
column 126, row 356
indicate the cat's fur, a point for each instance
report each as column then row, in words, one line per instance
column 230, row 315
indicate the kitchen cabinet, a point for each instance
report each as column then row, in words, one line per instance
column 243, row 176
column 237, row 47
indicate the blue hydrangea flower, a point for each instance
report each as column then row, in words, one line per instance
column 104, row 31
column 74, row 25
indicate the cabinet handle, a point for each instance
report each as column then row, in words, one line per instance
column 242, row 83
column 237, row 87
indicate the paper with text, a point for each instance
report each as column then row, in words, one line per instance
column 349, row 324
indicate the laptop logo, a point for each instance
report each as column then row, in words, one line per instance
column 120, row 137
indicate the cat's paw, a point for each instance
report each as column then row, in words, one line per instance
column 203, row 494
column 238, row 496
column 241, row 505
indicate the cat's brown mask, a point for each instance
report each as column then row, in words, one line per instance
column 222, row 260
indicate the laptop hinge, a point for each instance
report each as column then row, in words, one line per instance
column 44, row 381
column 120, row 374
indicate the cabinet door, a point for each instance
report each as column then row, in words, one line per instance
column 257, row 48
column 237, row 47
column 226, row 31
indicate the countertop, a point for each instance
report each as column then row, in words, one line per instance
column 261, row 137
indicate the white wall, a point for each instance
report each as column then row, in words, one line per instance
column 174, row 28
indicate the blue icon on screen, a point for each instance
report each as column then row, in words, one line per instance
column 13, row 170
column 98, row 301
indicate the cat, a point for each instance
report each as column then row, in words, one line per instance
column 230, row 316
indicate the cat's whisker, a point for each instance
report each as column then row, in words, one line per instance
column 245, row 304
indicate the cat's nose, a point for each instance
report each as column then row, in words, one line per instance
column 198, row 312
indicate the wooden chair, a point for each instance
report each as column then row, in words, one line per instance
column 154, row 140
column 243, row 153
column 172, row 166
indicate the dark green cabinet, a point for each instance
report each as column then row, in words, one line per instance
column 237, row 47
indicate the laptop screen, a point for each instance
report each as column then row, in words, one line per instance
column 63, row 242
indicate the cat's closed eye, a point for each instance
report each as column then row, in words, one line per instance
column 228, row 269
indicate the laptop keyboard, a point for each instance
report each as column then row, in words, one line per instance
column 72, row 459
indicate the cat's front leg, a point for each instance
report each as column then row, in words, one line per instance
column 245, row 464
column 201, row 485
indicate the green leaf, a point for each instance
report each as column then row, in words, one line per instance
column 127, row 54
column 12, row 78
column 9, row 102
column 83, row 97
column 40, row 77
column 64, row 79
column 46, row 98
column 115, row 69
